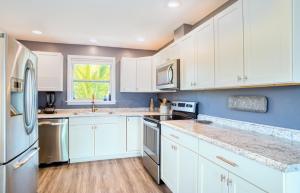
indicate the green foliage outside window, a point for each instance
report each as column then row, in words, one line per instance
column 91, row 79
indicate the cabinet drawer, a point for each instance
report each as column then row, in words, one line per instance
column 97, row 120
column 256, row 173
column 183, row 139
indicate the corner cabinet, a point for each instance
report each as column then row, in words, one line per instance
column 136, row 74
column 50, row 71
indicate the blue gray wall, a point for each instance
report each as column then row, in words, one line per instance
column 123, row 99
column 283, row 111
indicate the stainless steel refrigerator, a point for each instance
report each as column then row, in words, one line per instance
column 18, row 117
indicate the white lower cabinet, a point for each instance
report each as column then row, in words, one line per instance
column 81, row 142
column 212, row 178
column 169, row 162
column 98, row 138
column 134, row 134
column 110, row 139
column 212, row 169
column 239, row 185
column 215, row 179
column 179, row 167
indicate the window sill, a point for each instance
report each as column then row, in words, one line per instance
column 90, row 103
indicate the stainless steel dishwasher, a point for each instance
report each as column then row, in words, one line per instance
column 54, row 140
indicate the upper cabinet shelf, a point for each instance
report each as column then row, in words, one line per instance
column 50, row 71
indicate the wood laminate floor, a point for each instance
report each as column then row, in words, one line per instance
column 109, row 176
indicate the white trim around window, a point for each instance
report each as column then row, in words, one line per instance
column 78, row 59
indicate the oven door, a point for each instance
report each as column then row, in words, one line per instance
column 152, row 140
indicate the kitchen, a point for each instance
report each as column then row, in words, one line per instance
column 150, row 97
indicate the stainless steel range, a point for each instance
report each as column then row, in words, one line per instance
column 152, row 134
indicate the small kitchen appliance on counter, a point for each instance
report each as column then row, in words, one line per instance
column 50, row 103
column 152, row 134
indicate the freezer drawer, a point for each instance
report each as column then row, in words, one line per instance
column 22, row 172
column 54, row 140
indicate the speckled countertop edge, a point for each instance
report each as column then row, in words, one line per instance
column 282, row 167
column 68, row 113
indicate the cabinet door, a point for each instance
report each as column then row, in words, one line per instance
column 110, row 139
column 50, row 71
column 229, row 61
column 205, row 62
column 238, row 185
column 187, row 170
column 134, row 134
column 81, row 142
column 169, row 163
column 144, row 75
column 268, row 41
column 173, row 52
column 187, row 63
column 212, row 178
column 128, row 75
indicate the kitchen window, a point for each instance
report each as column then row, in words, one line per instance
column 89, row 77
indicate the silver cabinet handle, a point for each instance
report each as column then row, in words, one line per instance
column 245, row 78
column 222, row 178
column 229, row 182
column 227, row 161
column 174, row 136
column 239, row 78
column 50, row 123
column 27, row 159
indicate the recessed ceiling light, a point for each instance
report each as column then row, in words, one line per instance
column 173, row 3
column 37, row 32
column 93, row 40
column 140, row 39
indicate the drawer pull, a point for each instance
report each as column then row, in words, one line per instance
column 227, row 161
column 174, row 136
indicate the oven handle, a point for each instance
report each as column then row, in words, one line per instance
column 152, row 125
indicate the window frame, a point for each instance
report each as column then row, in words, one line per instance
column 79, row 59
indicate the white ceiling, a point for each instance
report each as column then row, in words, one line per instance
column 115, row 23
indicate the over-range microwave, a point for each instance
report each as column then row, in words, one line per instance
column 167, row 75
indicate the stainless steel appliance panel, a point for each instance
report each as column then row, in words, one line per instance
column 167, row 75
column 151, row 141
column 2, row 96
column 53, row 137
column 152, row 167
column 21, row 99
column 22, row 173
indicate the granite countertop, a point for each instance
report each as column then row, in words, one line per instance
column 67, row 113
column 278, row 153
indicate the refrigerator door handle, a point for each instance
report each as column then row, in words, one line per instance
column 27, row 159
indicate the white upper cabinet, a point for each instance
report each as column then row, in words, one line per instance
column 50, row 71
column 268, row 41
column 187, row 63
column 136, row 74
column 144, row 74
column 128, row 75
column 205, row 56
column 229, row 59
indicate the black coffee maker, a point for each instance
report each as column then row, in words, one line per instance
column 50, row 103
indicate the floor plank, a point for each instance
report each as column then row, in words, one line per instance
column 109, row 176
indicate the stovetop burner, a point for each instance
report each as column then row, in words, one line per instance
column 174, row 116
